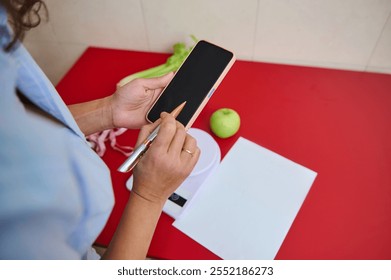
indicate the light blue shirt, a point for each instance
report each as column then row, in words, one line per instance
column 55, row 192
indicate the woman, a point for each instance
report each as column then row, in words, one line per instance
column 55, row 193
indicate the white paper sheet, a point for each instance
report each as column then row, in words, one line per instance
column 245, row 210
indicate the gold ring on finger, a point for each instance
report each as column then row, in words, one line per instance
column 188, row 151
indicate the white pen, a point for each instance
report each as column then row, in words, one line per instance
column 139, row 151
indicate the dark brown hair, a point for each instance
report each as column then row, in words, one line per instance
column 23, row 15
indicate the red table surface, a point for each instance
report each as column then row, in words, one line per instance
column 334, row 122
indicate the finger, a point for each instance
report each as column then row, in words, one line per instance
column 159, row 82
column 178, row 141
column 146, row 130
column 190, row 149
column 166, row 133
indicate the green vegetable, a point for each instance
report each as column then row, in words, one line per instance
column 172, row 64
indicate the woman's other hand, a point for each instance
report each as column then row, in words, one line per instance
column 131, row 102
column 167, row 163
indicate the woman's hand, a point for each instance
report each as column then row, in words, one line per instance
column 167, row 163
column 130, row 103
column 127, row 107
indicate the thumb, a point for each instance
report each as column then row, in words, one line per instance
column 159, row 82
column 147, row 129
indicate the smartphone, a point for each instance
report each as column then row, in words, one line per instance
column 194, row 82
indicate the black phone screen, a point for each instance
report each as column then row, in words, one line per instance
column 193, row 81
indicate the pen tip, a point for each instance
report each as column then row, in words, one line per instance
column 178, row 109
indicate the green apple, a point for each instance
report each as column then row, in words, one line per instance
column 225, row 122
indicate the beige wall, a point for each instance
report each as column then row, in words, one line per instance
column 342, row 34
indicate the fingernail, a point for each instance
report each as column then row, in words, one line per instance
column 163, row 115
